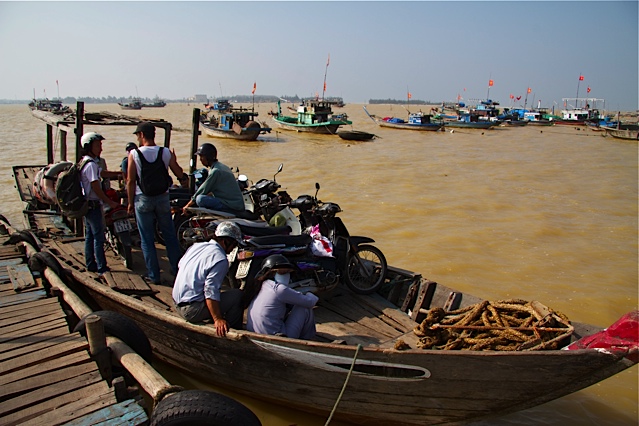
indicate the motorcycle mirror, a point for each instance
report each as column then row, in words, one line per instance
column 317, row 188
column 279, row 169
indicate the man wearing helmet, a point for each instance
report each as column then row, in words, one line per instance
column 271, row 313
column 197, row 291
column 93, row 192
column 220, row 190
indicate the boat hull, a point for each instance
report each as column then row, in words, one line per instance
column 626, row 134
column 468, row 125
column 355, row 135
column 245, row 135
column 325, row 128
column 412, row 387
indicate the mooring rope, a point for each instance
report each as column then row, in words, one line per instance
column 348, row 376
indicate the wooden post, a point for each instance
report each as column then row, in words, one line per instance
column 194, row 145
column 79, row 130
column 49, row 144
column 63, row 145
column 121, row 392
column 424, row 297
column 97, row 346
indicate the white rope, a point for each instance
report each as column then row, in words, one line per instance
column 348, row 376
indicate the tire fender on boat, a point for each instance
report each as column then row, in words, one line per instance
column 202, row 408
column 124, row 328
column 45, row 181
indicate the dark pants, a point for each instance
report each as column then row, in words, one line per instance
column 230, row 305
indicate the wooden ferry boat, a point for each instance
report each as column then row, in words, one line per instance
column 233, row 123
column 368, row 346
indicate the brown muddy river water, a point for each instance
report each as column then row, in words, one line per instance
column 537, row 213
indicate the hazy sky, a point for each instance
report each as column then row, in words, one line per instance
column 435, row 50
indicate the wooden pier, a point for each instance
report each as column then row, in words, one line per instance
column 47, row 376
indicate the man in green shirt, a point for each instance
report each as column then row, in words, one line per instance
column 220, row 191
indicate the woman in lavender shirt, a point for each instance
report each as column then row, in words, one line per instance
column 268, row 313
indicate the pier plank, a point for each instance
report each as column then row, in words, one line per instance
column 32, row 330
column 21, row 277
column 75, row 409
column 126, row 282
column 30, row 410
column 74, row 344
column 48, row 376
column 55, row 362
column 27, row 344
column 48, row 393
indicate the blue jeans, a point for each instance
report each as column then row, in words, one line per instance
column 94, row 240
column 148, row 210
column 209, row 202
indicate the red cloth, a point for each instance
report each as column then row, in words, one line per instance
column 621, row 337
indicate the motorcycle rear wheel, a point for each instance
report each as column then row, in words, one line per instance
column 366, row 270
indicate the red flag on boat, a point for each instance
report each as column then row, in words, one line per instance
column 490, row 83
column 581, row 77
column 409, row 95
column 529, row 90
column 325, row 86
column 254, row 87
column 518, row 97
column 588, row 89
column 512, row 96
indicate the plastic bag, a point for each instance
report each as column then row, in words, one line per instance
column 321, row 246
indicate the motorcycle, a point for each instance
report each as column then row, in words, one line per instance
column 261, row 200
column 362, row 265
column 121, row 233
column 313, row 273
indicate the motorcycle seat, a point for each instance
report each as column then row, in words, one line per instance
column 287, row 240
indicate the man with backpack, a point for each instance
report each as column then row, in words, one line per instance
column 148, row 183
column 90, row 173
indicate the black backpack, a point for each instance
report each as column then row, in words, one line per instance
column 68, row 191
column 154, row 177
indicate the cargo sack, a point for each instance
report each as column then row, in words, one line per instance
column 69, row 192
column 154, row 177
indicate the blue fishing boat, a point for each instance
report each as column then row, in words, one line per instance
column 416, row 121
column 233, row 123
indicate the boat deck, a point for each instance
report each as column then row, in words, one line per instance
column 46, row 373
column 377, row 321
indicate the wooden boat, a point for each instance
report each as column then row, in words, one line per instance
column 355, row 135
column 366, row 345
column 155, row 103
column 580, row 116
column 416, row 121
column 623, row 131
column 313, row 116
column 54, row 106
column 470, row 121
column 233, row 123
column 136, row 103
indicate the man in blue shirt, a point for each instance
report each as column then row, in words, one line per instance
column 198, row 293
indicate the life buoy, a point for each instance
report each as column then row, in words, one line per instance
column 45, row 179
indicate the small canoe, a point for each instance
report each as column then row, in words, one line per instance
column 356, row 135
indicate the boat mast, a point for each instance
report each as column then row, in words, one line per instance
column 328, row 61
column 581, row 77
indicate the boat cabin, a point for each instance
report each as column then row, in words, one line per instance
column 314, row 111
column 240, row 116
column 418, row 118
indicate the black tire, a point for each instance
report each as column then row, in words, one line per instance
column 128, row 256
column 366, row 270
column 202, row 408
column 125, row 329
column 184, row 229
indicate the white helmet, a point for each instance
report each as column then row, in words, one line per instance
column 87, row 138
column 229, row 230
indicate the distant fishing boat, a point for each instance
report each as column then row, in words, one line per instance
column 416, row 121
column 233, row 123
column 623, row 131
column 155, row 103
column 313, row 116
column 136, row 103
column 470, row 121
column 50, row 105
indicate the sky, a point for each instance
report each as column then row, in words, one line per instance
column 437, row 51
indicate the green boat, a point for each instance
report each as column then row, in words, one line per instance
column 313, row 116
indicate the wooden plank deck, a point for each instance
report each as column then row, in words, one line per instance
column 46, row 374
